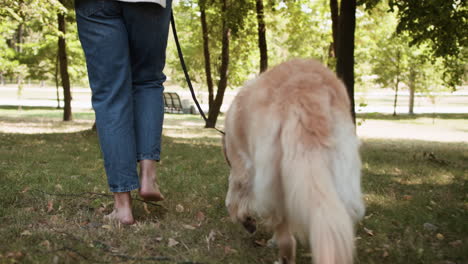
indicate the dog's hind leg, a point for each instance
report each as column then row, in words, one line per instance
column 286, row 244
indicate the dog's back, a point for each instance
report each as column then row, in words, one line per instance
column 295, row 162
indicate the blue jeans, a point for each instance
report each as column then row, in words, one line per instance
column 125, row 50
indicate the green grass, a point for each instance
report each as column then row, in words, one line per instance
column 53, row 195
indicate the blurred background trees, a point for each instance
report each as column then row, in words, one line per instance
column 418, row 46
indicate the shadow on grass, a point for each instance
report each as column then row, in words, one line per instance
column 406, row 184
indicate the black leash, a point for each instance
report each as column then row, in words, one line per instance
column 184, row 68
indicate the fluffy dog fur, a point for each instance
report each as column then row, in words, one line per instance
column 293, row 152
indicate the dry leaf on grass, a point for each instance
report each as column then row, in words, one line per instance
column 261, row 243
column 369, row 232
column 179, row 208
column 26, row 233
column 229, row 250
column 407, row 197
column 107, row 227
column 50, row 206
column 145, row 206
column 14, row 254
column 200, row 216
column 440, row 236
column 189, row 227
column 172, row 242
column 210, row 238
column 26, row 189
column 385, row 254
column 46, row 244
column 456, row 243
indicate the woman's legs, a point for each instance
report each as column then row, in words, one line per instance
column 104, row 38
column 125, row 46
column 148, row 26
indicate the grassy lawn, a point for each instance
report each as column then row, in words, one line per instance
column 53, row 195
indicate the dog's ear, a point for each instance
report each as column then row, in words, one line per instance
column 224, row 150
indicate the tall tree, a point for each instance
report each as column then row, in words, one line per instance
column 441, row 23
column 262, row 42
column 206, row 52
column 63, row 62
column 223, row 69
column 345, row 47
column 334, row 17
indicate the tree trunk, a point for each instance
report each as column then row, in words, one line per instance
column 20, row 90
column 345, row 51
column 396, row 96
column 19, row 38
column 335, row 17
column 206, row 53
column 62, row 53
column 262, row 43
column 56, row 77
column 412, row 83
column 223, row 72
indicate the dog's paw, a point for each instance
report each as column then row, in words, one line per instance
column 250, row 224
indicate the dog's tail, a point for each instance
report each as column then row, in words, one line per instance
column 314, row 208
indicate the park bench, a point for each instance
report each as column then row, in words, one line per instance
column 172, row 103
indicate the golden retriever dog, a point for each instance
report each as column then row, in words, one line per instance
column 294, row 156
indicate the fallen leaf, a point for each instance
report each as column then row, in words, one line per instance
column 50, row 206
column 29, row 209
column 190, row 227
column 368, row 216
column 26, row 233
column 106, row 227
column 73, row 255
column 26, row 189
column 440, row 236
column 159, row 239
column 179, row 208
column 58, row 187
column 209, row 238
column 229, row 250
column 430, row 227
column 261, row 243
column 369, row 232
column 456, row 243
column 46, row 244
column 54, row 218
column 200, row 216
column 172, row 242
column 14, row 254
column 145, row 206
column 407, row 197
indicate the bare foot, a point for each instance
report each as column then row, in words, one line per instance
column 149, row 188
column 122, row 209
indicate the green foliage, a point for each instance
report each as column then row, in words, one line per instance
column 394, row 60
column 28, row 40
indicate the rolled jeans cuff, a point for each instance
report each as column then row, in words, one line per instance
column 155, row 157
column 125, row 189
